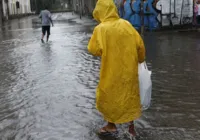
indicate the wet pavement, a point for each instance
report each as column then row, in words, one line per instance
column 47, row 91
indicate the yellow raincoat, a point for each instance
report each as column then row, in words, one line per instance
column 121, row 49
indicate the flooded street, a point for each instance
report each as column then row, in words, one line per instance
column 47, row 91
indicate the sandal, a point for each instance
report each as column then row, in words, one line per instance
column 104, row 132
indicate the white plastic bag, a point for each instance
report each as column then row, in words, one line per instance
column 145, row 84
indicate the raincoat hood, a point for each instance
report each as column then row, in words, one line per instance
column 105, row 10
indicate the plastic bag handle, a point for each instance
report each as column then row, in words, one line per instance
column 145, row 65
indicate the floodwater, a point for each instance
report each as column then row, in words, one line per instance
column 47, row 91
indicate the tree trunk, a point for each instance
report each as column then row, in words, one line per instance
column 1, row 12
column 8, row 13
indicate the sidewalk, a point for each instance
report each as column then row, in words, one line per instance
column 179, row 28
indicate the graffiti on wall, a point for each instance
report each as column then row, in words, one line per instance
column 175, row 12
column 156, row 12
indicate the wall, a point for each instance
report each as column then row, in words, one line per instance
column 24, row 7
column 157, row 13
column 181, row 11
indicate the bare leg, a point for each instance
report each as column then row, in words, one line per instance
column 47, row 38
column 43, row 36
column 42, row 39
column 132, row 129
column 110, row 127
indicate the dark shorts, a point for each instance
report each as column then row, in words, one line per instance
column 46, row 29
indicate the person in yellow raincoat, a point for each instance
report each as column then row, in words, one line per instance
column 121, row 49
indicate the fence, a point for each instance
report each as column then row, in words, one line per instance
column 83, row 7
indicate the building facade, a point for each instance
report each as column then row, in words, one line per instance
column 15, row 7
column 24, row 7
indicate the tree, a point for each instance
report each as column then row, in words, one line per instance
column 38, row 5
column 1, row 12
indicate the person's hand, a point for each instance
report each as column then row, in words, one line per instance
column 52, row 25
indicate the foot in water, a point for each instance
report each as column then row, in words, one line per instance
column 109, row 130
column 42, row 40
